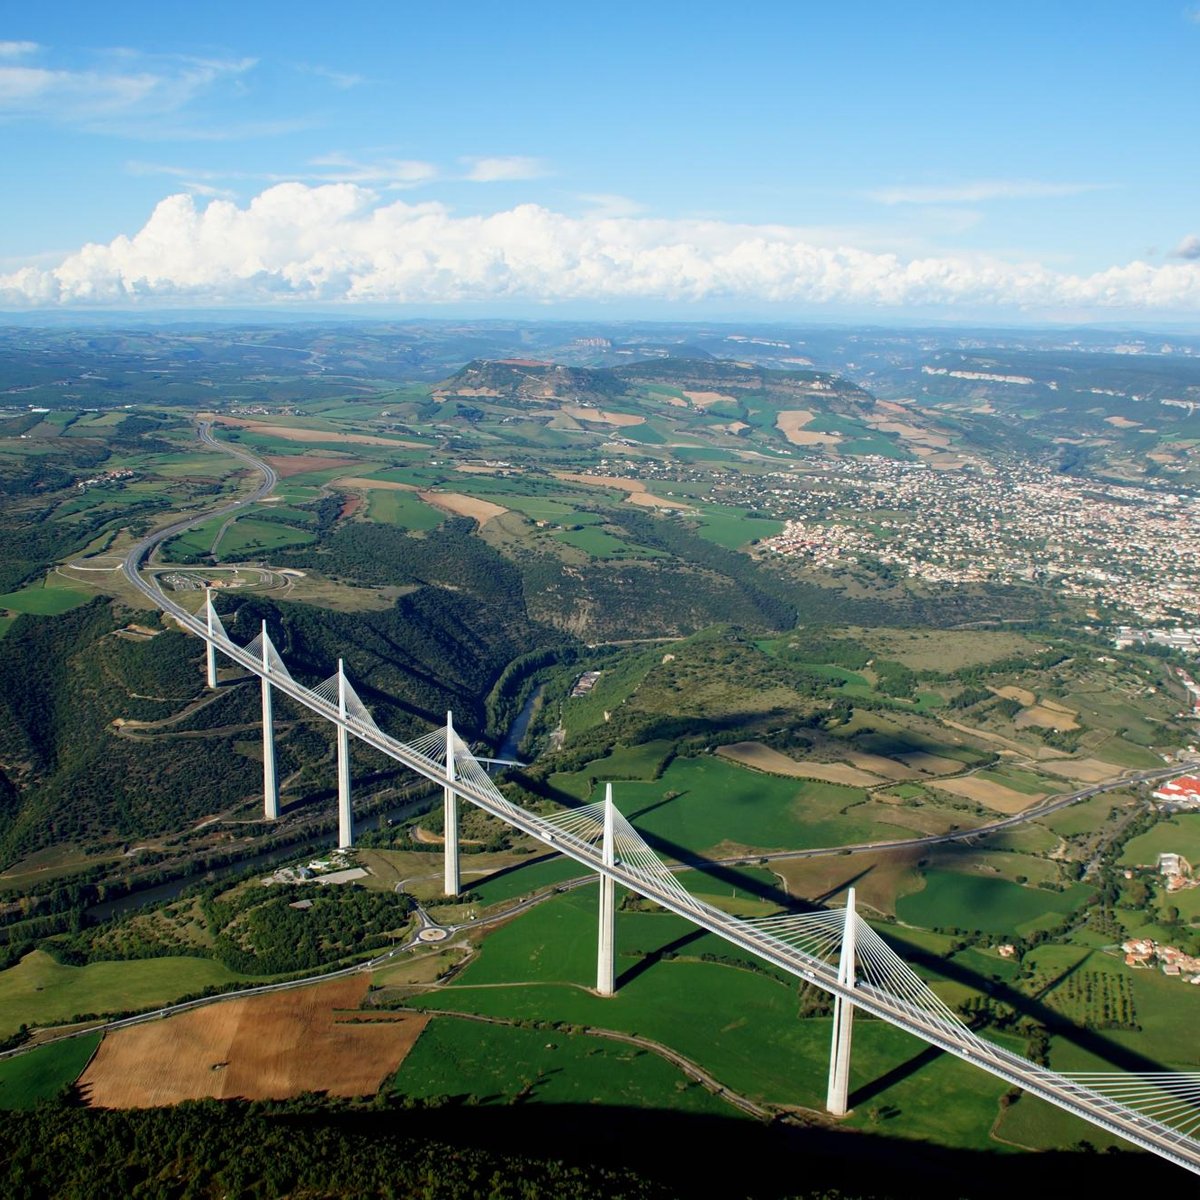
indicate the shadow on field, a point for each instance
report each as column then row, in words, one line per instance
column 735, row 1157
column 1093, row 1041
column 656, row 956
column 897, row 1074
column 531, row 861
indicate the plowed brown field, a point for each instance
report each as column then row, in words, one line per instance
column 259, row 1048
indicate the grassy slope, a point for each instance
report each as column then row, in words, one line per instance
column 43, row 1073
column 40, row 991
column 497, row 1064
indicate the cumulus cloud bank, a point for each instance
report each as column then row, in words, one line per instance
column 341, row 243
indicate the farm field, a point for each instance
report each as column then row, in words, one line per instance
column 395, row 507
column 40, row 991
column 989, row 791
column 746, row 1032
column 763, row 758
column 717, row 802
column 1179, row 834
column 249, row 536
column 951, row 899
column 520, row 880
column 261, row 1047
column 41, row 1074
column 501, row 1064
column 50, row 597
column 732, row 528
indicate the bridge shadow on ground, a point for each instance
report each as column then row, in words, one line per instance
column 732, row 1156
column 1092, row 1041
column 897, row 1074
column 722, row 873
column 327, row 795
column 648, row 960
column 530, row 861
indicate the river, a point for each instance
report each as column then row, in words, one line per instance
column 518, row 729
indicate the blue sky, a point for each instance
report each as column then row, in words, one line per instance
column 951, row 159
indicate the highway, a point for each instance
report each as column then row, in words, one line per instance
column 138, row 554
column 951, row 1036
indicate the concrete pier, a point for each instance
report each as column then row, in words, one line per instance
column 270, row 780
column 453, row 883
column 210, row 660
column 838, row 1096
column 345, row 815
column 606, row 983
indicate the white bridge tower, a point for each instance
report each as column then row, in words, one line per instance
column 452, row 883
column 606, row 982
column 345, row 815
column 270, row 781
column 838, row 1096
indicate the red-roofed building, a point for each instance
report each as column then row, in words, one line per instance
column 1183, row 792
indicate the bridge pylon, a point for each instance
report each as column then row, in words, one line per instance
column 270, row 779
column 606, row 983
column 210, row 649
column 453, row 882
column 345, row 814
column 838, row 1096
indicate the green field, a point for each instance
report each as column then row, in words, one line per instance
column 194, row 541
column 731, row 527
column 402, row 508
column 1179, row 834
column 50, row 597
column 599, row 544
column 40, row 991
column 1085, row 816
column 1025, row 782
column 248, row 535
column 540, row 872
column 43, row 1073
column 717, row 801
column 745, row 1030
column 500, row 1064
column 954, row 900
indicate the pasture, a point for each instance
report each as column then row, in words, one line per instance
column 393, row 507
column 248, row 536
column 954, row 900
column 40, row 991
column 41, row 1074
column 502, row 1064
column 740, row 1025
column 704, row 802
column 1179, row 834
column 49, row 597
column 734, row 528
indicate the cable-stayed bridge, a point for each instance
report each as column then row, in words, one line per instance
column 835, row 950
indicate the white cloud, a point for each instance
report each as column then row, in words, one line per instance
column 341, row 243
column 18, row 49
column 980, row 190
column 125, row 86
column 503, row 168
column 608, row 204
column 340, row 79
column 395, row 172
column 1189, row 247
